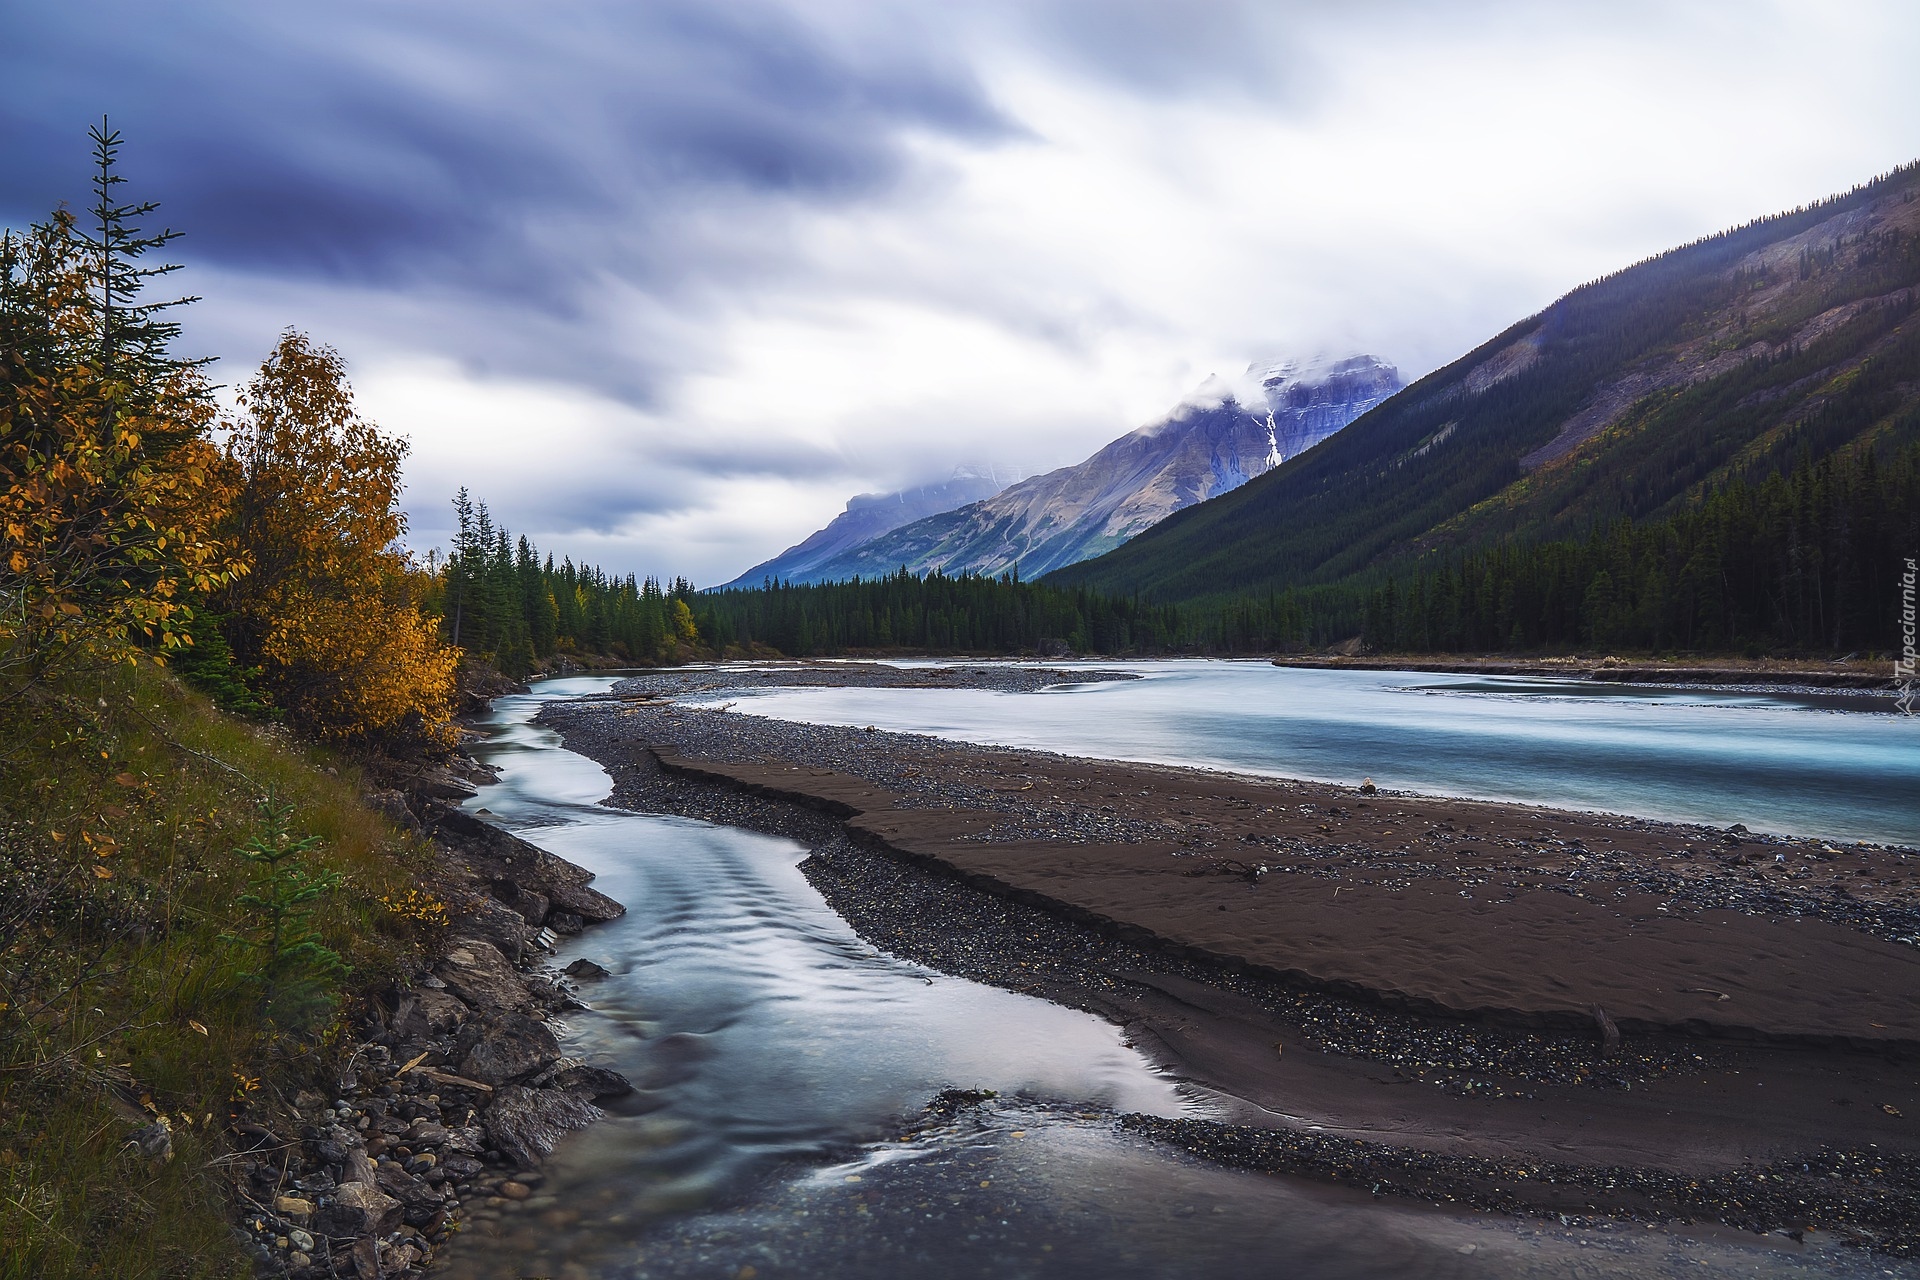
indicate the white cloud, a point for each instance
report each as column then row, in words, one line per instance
column 718, row 365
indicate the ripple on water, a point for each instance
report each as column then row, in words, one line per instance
column 778, row 1053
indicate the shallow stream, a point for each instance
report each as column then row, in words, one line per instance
column 782, row 1061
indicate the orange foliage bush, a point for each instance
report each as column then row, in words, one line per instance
column 327, row 611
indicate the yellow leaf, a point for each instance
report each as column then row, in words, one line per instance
column 101, row 873
column 196, row 1026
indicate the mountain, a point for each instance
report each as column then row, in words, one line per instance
column 1633, row 398
column 868, row 515
column 1208, row 446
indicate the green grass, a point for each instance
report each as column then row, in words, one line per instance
column 127, row 992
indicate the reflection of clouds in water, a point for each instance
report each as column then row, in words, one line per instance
column 1709, row 756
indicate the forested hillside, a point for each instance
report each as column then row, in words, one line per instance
column 1672, row 396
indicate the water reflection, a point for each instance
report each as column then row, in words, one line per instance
column 1787, row 763
column 777, row 1053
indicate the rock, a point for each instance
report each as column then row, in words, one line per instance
column 460, row 1166
column 588, row 904
column 427, row 1013
column 427, row 1133
column 592, row 1082
column 515, row 1190
column 422, row 1163
column 298, row 1259
column 468, row 1138
column 300, row 1240
column 482, row 977
column 154, row 1141
column 407, row 1189
column 1367, row 788
column 584, row 970
column 529, row 904
column 366, row 1258
column 441, row 784
column 512, row 1047
column 392, row 805
column 496, row 923
column 296, row 1208
column 565, row 922
column 358, row 1168
column 526, row 1123
column 358, row 1209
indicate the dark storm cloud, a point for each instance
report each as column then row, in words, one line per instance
column 392, row 143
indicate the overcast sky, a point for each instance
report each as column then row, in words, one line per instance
column 666, row 281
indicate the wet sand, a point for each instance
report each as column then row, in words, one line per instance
column 1399, row 992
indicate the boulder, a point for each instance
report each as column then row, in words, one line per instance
column 500, row 926
column 392, row 805
column 512, row 1047
column 526, row 1123
column 476, row 972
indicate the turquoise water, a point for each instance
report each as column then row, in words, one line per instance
column 778, row 1054
column 1838, row 766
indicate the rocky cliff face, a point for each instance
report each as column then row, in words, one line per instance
column 868, row 516
column 1311, row 400
column 1206, row 447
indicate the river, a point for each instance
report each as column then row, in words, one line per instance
column 782, row 1059
column 1837, row 765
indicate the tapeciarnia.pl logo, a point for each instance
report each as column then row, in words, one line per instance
column 1903, row 666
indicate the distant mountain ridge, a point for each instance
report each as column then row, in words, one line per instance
column 1630, row 398
column 1208, row 446
column 867, row 516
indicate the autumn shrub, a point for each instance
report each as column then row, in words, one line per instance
column 328, row 609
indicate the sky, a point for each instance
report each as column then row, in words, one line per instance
column 664, row 282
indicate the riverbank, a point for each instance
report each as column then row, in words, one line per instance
column 1372, row 985
column 456, row 1089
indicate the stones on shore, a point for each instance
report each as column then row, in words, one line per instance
column 457, row 1093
